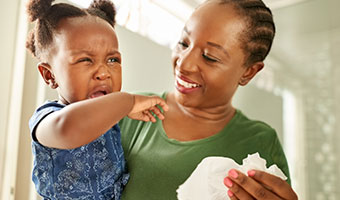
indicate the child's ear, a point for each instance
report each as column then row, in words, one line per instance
column 250, row 72
column 47, row 74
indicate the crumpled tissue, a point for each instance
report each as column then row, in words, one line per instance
column 206, row 181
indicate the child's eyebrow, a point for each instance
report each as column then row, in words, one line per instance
column 88, row 52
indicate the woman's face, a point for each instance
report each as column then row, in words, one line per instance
column 208, row 59
column 86, row 62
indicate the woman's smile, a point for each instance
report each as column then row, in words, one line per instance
column 185, row 85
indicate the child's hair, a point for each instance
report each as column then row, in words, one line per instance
column 47, row 17
column 258, row 36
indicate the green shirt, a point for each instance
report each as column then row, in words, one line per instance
column 158, row 165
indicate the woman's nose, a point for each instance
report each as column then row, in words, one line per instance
column 187, row 61
column 102, row 73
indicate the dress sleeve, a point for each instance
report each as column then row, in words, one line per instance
column 42, row 112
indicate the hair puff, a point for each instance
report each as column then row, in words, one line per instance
column 106, row 7
column 38, row 9
column 30, row 43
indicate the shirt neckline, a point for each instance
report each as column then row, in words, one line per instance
column 221, row 133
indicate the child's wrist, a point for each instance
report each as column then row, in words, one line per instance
column 133, row 101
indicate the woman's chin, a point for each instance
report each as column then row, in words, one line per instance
column 185, row 99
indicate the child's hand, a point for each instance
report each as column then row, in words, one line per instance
column 145, row 106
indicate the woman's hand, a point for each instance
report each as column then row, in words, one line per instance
column 145, row 106
column 257, row 185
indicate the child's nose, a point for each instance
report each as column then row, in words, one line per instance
column 102, row 73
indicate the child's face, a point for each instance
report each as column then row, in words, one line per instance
column 85, row 60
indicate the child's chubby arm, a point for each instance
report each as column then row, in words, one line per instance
column 81, row 122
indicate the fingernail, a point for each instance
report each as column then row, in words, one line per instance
column 233, row 173
column 228, row 182
column 251, row 173
column 230, row 193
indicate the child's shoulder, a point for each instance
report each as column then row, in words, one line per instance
column 42, row 111
column 50, row 105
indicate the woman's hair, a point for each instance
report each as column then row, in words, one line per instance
column 47, row 17
column 258, row 35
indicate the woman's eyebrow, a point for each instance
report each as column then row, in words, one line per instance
column 218, row 47
column 185, row 29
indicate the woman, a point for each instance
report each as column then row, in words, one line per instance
column 222, row 46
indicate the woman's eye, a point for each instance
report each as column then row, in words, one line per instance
column 183, row 44
column 208, row 58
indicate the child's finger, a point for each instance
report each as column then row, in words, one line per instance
column 157, row 112
column 149, row 116
column 143, row 116
column 161, row 102
column 164, row 105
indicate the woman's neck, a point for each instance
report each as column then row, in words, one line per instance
column 188, row 123
column 208, row 115
column 204, row 114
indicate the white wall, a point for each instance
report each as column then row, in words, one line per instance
column 13, row 55
column 146, row 65
column 8, row 11
column 262, row 105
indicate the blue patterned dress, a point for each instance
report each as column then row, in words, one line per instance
column 93, row 171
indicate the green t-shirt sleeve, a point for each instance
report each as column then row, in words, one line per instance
column 279, row 158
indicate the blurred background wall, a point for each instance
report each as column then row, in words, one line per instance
column 296, row 93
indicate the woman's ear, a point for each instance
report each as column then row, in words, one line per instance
column 250, row 72
column 47, row 74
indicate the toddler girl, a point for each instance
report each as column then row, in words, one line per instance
column 76, row 141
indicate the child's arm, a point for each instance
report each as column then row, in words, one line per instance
column 82, row 122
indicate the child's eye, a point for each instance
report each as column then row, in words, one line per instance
column 113, row 60
column 84, row 60
column 209, row 59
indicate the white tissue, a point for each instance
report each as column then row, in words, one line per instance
column 206, row 181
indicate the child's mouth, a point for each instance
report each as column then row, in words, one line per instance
column 98, row 94
column 99, row 91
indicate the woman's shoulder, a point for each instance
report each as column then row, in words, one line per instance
column 252, row 125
